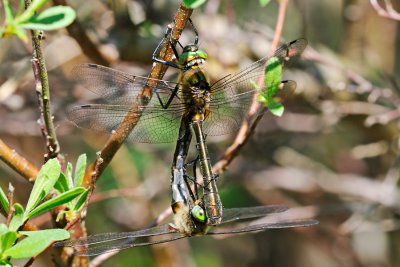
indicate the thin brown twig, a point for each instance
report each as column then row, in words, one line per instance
column 17, row 162
column 253, row 116
column 10, row 197
column 43, row 92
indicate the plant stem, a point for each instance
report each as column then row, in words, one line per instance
column 17, row 162
column 43, row 92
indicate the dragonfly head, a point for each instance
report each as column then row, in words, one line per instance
column 192, row 57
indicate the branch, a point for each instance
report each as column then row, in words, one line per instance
column 17, row 162
column 43, row 92
column 247, row 128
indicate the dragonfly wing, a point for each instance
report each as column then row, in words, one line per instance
column 263, row 227
column 108, row 242
column 233, row 95
column 230, row 215
column 156, row 125
column 117, row 87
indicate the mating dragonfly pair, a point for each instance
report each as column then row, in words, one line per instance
column 192, row 106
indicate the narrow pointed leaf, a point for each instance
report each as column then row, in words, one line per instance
column 62, row 184
column 30, row 11
column 193, row 3
column 80, row 169
column 7, row 239
column 273, row 76
column 18, row 217
column 81, row 200
column 276, row 108
column 47, row 177
column 35, row 242
column 56, row 201
column 4, row 201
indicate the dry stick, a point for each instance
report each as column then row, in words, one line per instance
column 77, row 32
column 247, row 127
column 17, row 162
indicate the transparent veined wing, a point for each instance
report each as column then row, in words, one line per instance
column 234, row 214
column 109, row 242
column 117, row 92
column 262, row 227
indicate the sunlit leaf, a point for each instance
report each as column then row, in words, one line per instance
column 52, row 18
column 35, row 242
column 264, row 3
column 80, row 169
column 7, row 238
column 18, row 217
column 45, row 181
column 30, row 11
column 81, row 200
column 193, row 3
column 62, row 184
column 276, row 108
column 56, row 201
column 4, row 201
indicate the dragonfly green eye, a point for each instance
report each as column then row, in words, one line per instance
column 198, row 213
column 192, row 55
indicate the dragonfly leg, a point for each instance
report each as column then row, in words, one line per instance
column 174, row 94
column 158, row 50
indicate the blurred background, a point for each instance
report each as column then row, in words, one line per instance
column 333, row 155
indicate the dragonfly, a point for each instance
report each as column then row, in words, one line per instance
column 191, row 106
column 114, row 242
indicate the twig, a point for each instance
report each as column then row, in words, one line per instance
column 247, row 127
column 43, row 92
column 88, row 47
column 10, row 196
column 389, row 12
column 17, row 162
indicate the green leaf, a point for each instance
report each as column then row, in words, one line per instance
column 3, row 228
column 8, row 12
column 45, row 181
column 81, row 200
column 35, row 242
column 68, row 174
column 80, row 169
column 62, row 184
column 5, row 263
column 52, row 18
column 273, row 76
column 193, row 3
column 56, row 201
column 7, row 239
column 17, row 218
column 276, row 108
column 4, row 201
column 30, row 11
column 264, row 3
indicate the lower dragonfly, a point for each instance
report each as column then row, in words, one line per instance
column 190, row 220
column 191, row 105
